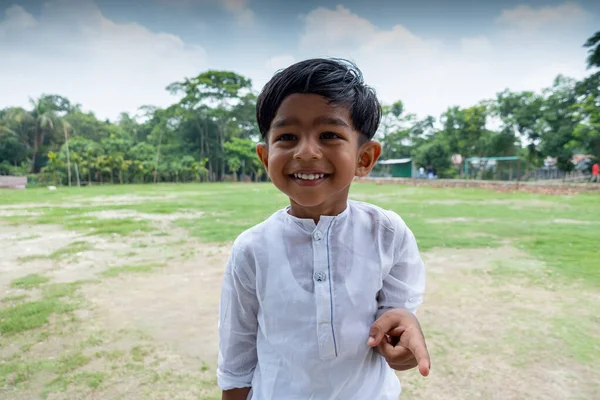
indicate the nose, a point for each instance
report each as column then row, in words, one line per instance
column 308, row 149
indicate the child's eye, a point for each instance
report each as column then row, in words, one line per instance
column 330, row 135
column 285, row 137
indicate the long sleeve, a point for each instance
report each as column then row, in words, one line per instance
column 404, row 285
column 237, row 324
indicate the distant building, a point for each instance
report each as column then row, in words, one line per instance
column 400, row 167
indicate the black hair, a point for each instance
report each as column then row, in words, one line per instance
column 338, row 80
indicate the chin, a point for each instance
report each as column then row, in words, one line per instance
column 307, row 201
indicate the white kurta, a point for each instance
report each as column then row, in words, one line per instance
column 298, row 300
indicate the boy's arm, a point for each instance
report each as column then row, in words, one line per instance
column 396, row 334
column 238, row 326
column 404, row 285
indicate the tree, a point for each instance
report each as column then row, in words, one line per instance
column 520, row 113
column 587, row 132
column 54, row 167
column 66, row 128
column 394, row 132
column 593, row 44
column 465, row 130
column 558, row 122
column 42, row 123
column 216, row 94
column 435, row 153
column 241, row 156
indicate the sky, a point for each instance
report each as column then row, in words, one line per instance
column 114, row 56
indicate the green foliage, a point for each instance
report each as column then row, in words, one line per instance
column 435, row 153
column 593, row 44
column 209, row 134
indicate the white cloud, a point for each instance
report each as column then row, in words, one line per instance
column 526, row 17
column 72, row 49
column 429, row 75
column 274, row 64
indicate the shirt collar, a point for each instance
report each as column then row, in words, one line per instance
column 324, row 220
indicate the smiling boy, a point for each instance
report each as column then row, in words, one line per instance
column 318, row 301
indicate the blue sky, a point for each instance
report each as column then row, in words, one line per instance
column 114, row 56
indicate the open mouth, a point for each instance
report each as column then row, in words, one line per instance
column 309, row 179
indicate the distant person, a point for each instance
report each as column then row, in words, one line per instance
column 421, row 172
column 312, row 298
column 595, row 173
column 430, row 173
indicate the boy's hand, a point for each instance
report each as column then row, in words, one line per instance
column 398, row 337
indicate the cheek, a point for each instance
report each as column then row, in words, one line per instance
column 276, row 164
column 346, row 163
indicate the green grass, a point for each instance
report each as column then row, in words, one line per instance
column 25, row 316
column 575, row 333
column 14, row 298
column 440, row 218
column 138, row 353
column 116, row 271
column 527, row 220
column 29, row 281
column 30, row 315
column 71, row 249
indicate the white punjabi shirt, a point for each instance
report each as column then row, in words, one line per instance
column 298, row 300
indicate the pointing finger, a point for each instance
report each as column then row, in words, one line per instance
column 415, row 342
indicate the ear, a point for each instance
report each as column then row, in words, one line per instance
column 263, row 154
column 368, row 154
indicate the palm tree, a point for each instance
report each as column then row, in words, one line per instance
column 66, row 127
column 43, row 119
column 8, row 118
column 593, row 44
column 41, row 122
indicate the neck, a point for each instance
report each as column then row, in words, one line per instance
column 315, row 213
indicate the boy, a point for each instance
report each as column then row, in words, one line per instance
column 318, row 300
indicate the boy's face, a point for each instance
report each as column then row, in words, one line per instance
column 313, row 153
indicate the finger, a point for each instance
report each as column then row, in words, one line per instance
column 380, row 327
column 416, row 344
column 385, row 347
column 392, row 352
column 404, row 366
column 397, row 332
column 398, row 354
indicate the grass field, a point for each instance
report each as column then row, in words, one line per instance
column 112, row 292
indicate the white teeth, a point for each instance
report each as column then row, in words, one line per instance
column 309, row 177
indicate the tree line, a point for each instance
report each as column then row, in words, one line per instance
column 210, row 133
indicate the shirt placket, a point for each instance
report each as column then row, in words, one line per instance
column 323, row 295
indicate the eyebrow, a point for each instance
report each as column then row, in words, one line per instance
column 324, row 120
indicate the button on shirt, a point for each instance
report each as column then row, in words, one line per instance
column 298, row 299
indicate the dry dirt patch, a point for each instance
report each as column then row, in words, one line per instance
column 127, row 199
column 176, row 305
column 490, row 336
column 18, row 243
column 139, row 216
